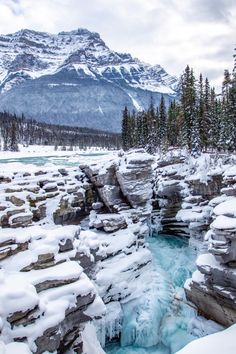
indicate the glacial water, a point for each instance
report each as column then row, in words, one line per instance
column 160, row 321
column 65, row 161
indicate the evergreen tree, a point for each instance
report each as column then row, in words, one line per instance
column 13, row 146
column 151, row 119
column 206, row 121
column 139, row 130
column 163, row 124
column 125, row 129
column 188, row 101
column 232, row 106
column 201, row 111
column 172, row 127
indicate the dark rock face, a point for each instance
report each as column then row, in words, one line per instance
column 207, row 190
column 212, row 287
column 60, row 337
column 181, row 199
column 76, row 67
column 125, row 183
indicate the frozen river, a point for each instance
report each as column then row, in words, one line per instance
column 160, row 322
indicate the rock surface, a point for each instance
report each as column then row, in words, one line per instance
column 213, row 286
column 47, row 267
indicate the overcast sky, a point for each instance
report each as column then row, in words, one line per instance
column 173, row 33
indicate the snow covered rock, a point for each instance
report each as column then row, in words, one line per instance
column 183, row 188
column 110, row 222
column 217, row 343
column 104, row 179
column 212, row 287
column 135, row 174
column 44, row 292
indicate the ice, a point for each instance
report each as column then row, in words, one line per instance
column 110, row 325
column 148, row 320
column 158, row 319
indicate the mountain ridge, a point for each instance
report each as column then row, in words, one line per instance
column 97, row 82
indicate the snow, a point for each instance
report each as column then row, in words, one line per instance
column 135, row 103
column 198, row 277
column 220, row 199
column 147, row 296
column 85, row 69
column 193, row 215
column 217, row 343
column 16, row 294
column 55, row 52
column 48, row 150
column 230, row 172
column 90, row 342
column 207, row 261
column 14, row 348
column 65, row 271
column 224, row 222
column 227, row 208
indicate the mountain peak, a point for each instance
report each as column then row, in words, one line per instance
column 79, row 32
column 40, row 64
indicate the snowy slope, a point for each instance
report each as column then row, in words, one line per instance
column 75, row 64
column 217, row 343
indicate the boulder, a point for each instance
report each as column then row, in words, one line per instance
column 110, row 222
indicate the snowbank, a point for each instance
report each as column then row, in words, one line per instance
column 218, row 343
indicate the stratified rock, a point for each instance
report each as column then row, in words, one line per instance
column 110, row 222
column 135, row 175
column 16, row 201
column 213, row 286
column 21, row 220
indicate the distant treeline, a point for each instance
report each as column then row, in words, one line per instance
column 19, row 130
column 200, row 120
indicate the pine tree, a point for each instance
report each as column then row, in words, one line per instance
column 172, row 127
column 201, row 110
column 139, row 130
column 163, row 124
column 206, row 121
column 132, row 130
column 232, row 106
column 13, row 146
column 227, row 124
column 188, row 101
column 151, row 119
column 214, row 128
column 125, row 129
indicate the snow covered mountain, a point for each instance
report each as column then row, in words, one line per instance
column 74, row 78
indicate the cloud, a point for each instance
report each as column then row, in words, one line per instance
column 172, row 33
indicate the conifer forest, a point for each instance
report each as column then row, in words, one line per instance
column 201, row 120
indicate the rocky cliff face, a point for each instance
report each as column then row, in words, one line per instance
column 77, row 68
column 57, row 281
column 183, row 188
column 213, row 286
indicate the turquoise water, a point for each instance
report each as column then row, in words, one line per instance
column 66, row 160
column 158, row 323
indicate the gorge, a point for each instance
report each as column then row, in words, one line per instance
column 77, row 242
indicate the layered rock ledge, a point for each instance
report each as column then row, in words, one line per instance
column 213, row 286
column 58, row 280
